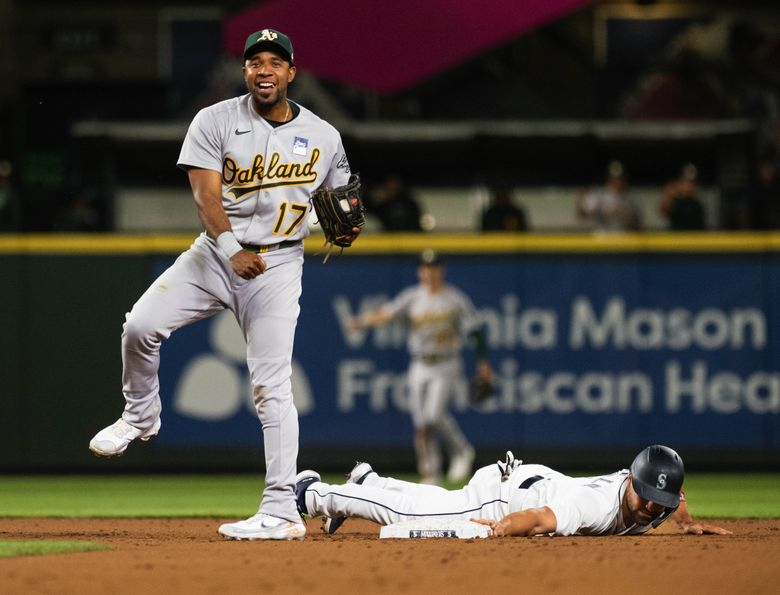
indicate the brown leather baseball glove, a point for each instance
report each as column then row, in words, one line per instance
column 339, row 211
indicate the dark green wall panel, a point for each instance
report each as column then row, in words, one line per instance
column 12, row 313
column 70, row 315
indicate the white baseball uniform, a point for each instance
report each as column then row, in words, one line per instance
column 437, row 325
column 582, row 505
column 268, row 175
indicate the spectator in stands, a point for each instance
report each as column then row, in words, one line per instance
column 680, row 201
column 610, row 208
column 393, row 204
column 503, row 214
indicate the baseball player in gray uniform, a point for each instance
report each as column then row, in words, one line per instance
column 253, row 163
column 439, row 317
column 516, row 499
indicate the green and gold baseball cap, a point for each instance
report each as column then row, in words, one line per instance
column 269, row 39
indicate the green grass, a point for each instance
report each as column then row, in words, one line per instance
column 44, row 548
column 709, row 495
column 132, row 495
column 734, row 495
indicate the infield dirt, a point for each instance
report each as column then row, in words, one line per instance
column 174, row 556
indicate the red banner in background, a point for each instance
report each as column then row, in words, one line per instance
column 389, row 46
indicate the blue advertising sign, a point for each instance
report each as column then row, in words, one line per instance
column 589, row 351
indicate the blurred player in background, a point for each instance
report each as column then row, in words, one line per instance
column 439, row 318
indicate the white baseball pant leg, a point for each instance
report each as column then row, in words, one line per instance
column 385, row 500
column 267, row 311
column 194, row 287
column 426, row 443
column 430, row 389
column 199, row 284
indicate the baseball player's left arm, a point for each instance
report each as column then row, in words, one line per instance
column 684, row 520
column 524, row 523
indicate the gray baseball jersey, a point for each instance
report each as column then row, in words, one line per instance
column 437, row 324
column 268, row 173
column 437, row 321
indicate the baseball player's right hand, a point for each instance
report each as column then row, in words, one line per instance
column 247, row 265
column 496, row 528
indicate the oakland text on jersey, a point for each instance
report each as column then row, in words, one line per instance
column 275, row 173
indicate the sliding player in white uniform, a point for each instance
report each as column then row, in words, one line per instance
column 439, row 318
column 516, row 499
column 253, row 163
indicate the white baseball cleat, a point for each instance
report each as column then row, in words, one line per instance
column 114, row 440
column 358, row 475
column 263, row 526
column 461, row 465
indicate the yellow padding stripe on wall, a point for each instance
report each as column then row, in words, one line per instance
column 738, row 242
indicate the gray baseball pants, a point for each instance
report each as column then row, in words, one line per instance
column 199, row 284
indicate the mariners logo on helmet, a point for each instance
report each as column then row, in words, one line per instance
column 657, row 475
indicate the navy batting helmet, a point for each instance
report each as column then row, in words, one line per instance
column 657, row 474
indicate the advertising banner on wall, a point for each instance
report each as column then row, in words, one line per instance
column 589, row 350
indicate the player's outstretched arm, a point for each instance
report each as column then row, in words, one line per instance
column 374, row 318
column 682, row 517
column 533, row 521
